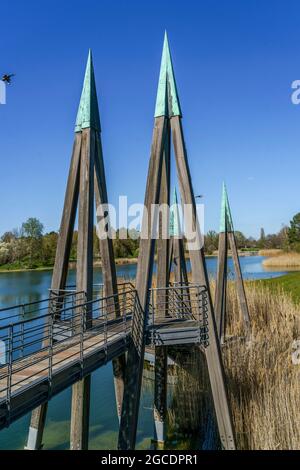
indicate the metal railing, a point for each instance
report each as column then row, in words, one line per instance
column 65, row 328
column 177, row 303
column 54, row 333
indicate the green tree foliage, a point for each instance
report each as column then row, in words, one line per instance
column 28, row 247
column 293, row 233
column 126, row 247
column 49, row 243
column 211, row 241
column 33, row 230
column 262, row 240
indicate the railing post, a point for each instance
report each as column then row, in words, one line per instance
column 9, row 365
column 74, row 301
column 153, row 316
column 124, row 316
column 81, row 335
column 50, row 348
column 22, row 330
column 105, row 331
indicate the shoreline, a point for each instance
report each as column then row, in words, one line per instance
column 118, row 261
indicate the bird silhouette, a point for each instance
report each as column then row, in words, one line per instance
column 7, row 78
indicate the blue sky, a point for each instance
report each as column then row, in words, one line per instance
column 234, row 64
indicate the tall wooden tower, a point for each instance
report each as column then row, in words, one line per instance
column 86, row 185
column 168, row 122
column 226, row 236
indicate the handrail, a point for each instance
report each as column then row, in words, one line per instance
column 37, row 340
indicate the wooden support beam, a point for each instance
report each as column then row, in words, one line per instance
column 80, row 411
column 199, row 276
column 135, row 359
column 160, row 393
column 180, row 271
column 161, row 359
column 65, row 237
column 60, row 272
column 108, row 269
column 240, row 283
column 36, row 428
column 221, row 286
column 84, row 282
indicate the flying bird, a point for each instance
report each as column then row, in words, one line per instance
column 200, row 196
column 7, row 78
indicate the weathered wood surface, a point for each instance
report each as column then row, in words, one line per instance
column 160, row 367
column 60, row 270
column 65, row 236
column 239, row 283
column 199, row 276
column 108, row 267
column 33, row 368
column 221, row 286
column 29, row 373
column 135, row 359
column 84, row 282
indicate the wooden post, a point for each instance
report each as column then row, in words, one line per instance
column 65, row 237
column 199, row 276
column 226, row 234
column 161, row 363
column 36, row 429
column 86, row 179
column 221, row 284
column 168, row 110
column 135, row 358
column 109, row 271
column 59, row 276
column 240, row 283
column 84, row 282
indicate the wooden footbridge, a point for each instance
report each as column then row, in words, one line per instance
column 49, row 345
column 58, row 342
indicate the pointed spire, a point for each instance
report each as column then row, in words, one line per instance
column 174, row 217
column 226, row 224
column 167, row 101
column 88, row 112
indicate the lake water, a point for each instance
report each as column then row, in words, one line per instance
column 16, row 288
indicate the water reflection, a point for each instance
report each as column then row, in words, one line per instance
column 16, row 288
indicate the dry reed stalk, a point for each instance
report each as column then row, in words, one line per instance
column 286, row 260
column 263, row 382
column 270, row 252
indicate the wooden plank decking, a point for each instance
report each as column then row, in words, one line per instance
column 31, row 381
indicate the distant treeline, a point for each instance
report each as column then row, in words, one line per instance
column 30, row 247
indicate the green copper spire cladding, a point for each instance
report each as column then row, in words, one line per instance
column 167, row 101
column 174, row 217
column 226, row 219
column 88, row 112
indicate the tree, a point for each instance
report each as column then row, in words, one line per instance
column 293, row 233
column 240, row 238
column 33, row 232
column 8, row 237
column 211, row 241
column 33, row 228
column 49, row 247
column 262, row 240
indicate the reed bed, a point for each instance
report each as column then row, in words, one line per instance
column 285, row 260
column 270, row 252
column 263, row 382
